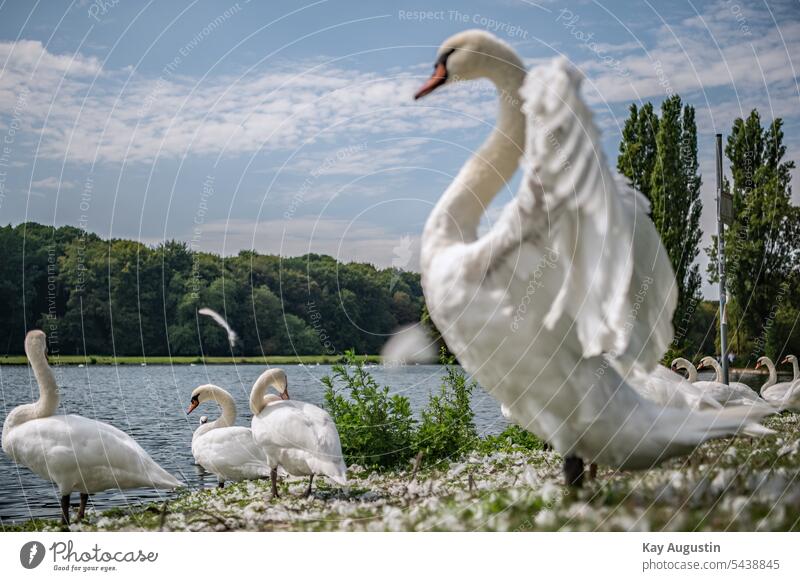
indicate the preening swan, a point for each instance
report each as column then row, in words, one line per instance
column 604, row 288
column 784, row 395
column 228, row 451
column 75, row 453
column 297, row 436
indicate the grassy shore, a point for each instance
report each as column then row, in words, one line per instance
column 249, row 360
column 738, row 484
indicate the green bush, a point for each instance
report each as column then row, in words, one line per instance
column 376, row 429
column 513, row 437
column 447, row 429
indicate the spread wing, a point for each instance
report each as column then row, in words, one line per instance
column 616, row 283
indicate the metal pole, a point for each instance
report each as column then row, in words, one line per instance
column 723, row 313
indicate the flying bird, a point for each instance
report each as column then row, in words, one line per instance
column 220, row 320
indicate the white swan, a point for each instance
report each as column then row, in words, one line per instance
column 784, row 395
column 578, row 250
column 297, row 436
column 731, row 394
column 795, row 366
column 76, row 453
column 228, row 451
column 665, row 387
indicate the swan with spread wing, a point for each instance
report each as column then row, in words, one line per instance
column 575, row 246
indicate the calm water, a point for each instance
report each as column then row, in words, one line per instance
column 149, row 402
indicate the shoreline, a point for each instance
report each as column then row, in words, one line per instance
column 749, row 485
column 86, row 360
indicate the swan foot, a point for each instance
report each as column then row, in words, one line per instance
column 82, row 507
column 308, row 490
column 573, row 471
column 273, row 478
column 221, row 484
column 65, row 510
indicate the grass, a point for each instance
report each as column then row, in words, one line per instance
column 181, row 360
column 738, row 484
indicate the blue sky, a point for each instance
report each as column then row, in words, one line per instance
column 289, row 126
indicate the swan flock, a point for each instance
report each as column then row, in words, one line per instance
column 579, row 366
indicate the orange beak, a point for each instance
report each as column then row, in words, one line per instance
column 437, row 79
column 285, row 394
column 701, row 365
column 192, row 405
column 758, row 365
column 784, row 360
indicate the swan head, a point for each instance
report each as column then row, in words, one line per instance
column 203, row 420
column 680, row 363
column 274, row 378
column 762, row 362
column 35, row 343
column 205, row 393
column 468, row 55
column 706, row 361
column 789, row 359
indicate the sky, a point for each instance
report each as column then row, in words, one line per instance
column 289, row 127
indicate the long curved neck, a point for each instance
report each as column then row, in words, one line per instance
column 691, row 371
column 773, row 373
column 795, row 370
column 458, row 213
column 228, row 407
column 258, row 396
column 717, row 369
column 47, row 404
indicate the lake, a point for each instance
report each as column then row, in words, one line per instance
column 149, row 403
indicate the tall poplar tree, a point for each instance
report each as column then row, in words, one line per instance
column 659, row 156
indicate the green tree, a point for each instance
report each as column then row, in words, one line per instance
column 762, row 245
column 659, row 157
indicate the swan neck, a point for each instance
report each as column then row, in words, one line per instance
column 228, row 407
column 47, row 404
column 692, row 373
column 795, row 370
column 271, row 378
column 717, row 369
column 458, row 213
column 773, row 373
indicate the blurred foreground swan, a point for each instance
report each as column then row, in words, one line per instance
column 228, row 451
column 297, row 436
column 578, row 251
column 75, row 453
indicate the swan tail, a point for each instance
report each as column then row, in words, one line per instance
column 336, row 472
column 701, row 426
column 163, row 480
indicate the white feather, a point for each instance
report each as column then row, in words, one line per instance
column 220, row 320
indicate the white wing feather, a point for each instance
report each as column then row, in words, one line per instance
column 595, row 227
column 220, row 320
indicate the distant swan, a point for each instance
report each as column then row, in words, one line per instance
column 297, row 436
column 795, row 367
column 730, row 394
column 784, row 395
column 228, row 451
column 572, row 271
column 76, row 453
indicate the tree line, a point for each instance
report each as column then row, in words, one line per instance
column 95, row 296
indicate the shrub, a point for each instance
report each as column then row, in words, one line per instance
column 447, row 428
column 376, row 429
column 513, row 437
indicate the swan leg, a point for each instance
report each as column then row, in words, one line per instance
column 573, row 471
column 82, row 507
column 65, row 509
column 592, row 471
column 221, row 484
column 273, row 477
column 308, row 490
